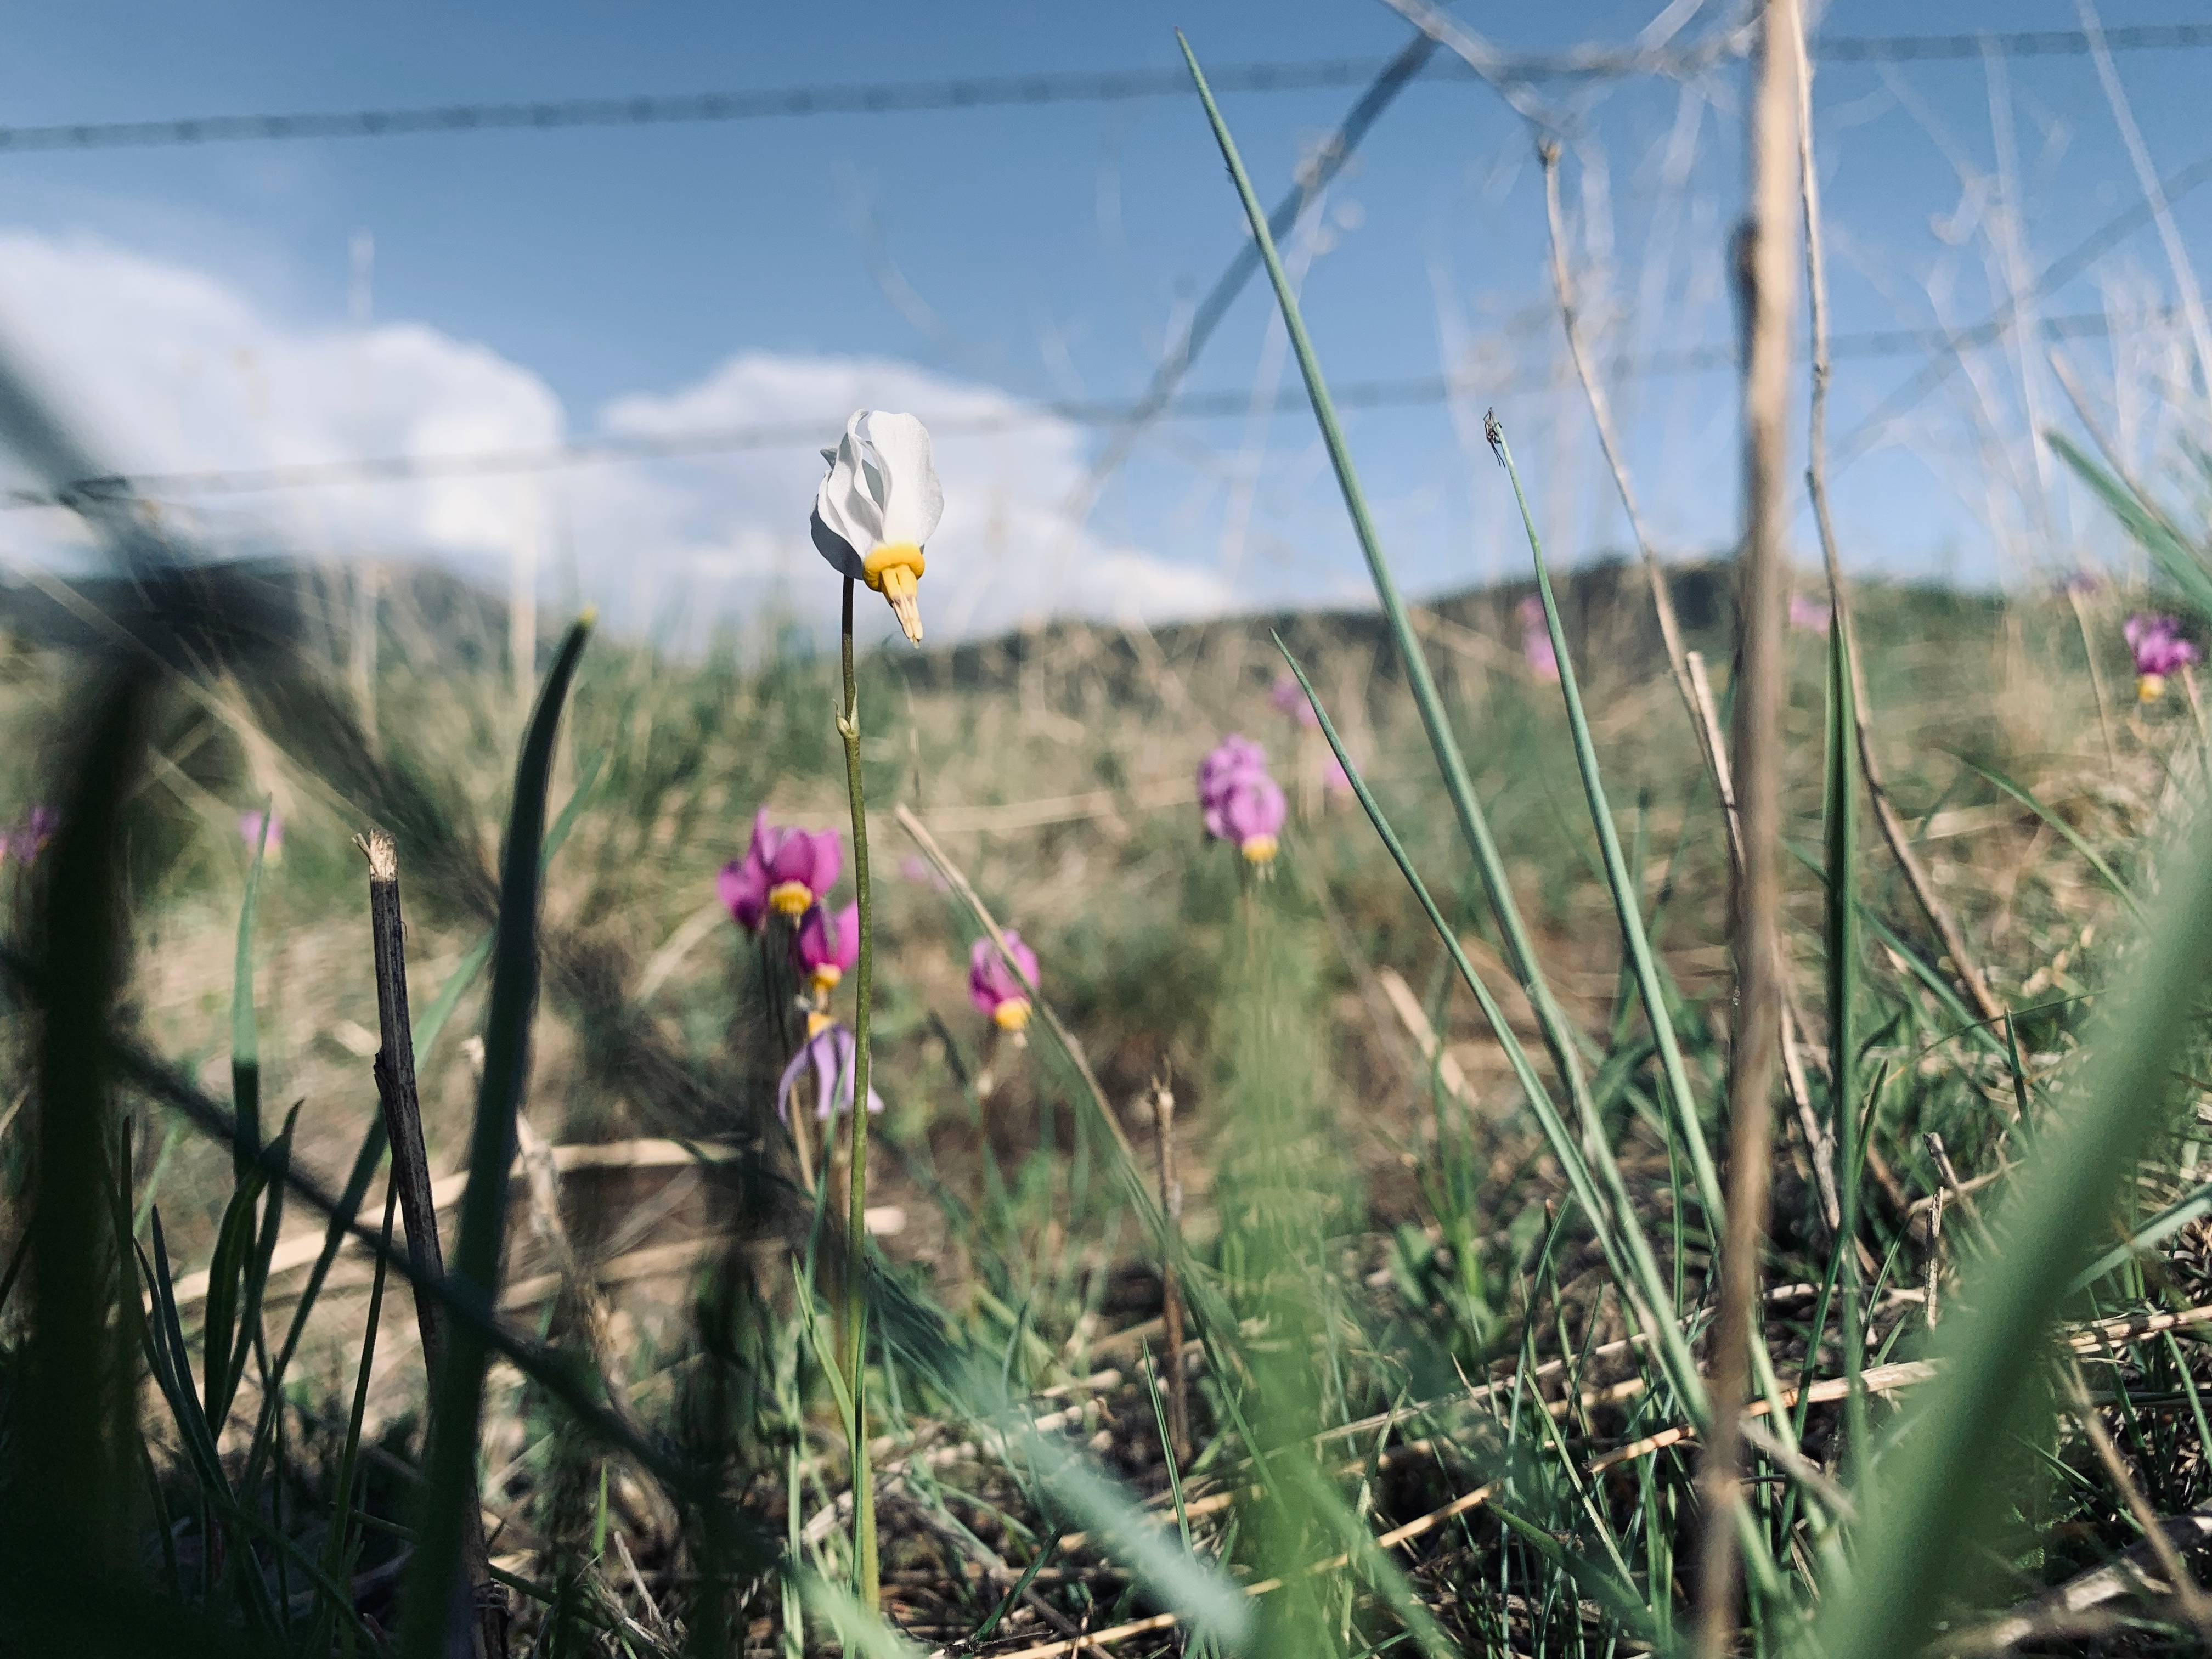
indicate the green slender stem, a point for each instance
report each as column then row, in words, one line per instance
column 1618, row 1235
column 1520, row 953
column 855, row 1344
column 1626, row 903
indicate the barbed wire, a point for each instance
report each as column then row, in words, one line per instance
column 1018, row 91
column 1406, row 391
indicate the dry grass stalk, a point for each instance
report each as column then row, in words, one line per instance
column 1765, row 269
column 1947, row 930
column 2194, row 1605
column 402, row 1102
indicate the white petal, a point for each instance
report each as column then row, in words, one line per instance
column 847, row 523
column 913, row 500
column 835, row 548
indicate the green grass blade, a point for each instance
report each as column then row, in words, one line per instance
column 2110, row 877
column 449, row 998
column 1931, row 1502
column 859, row 1630
column 2190, row 1207
column 244, row 1040
column 226, row 1277
column 449, row 1477
column 356, row 1189
column 72, row 1408
column 337, row 1547
column 1133, row 1535
column 1475, row 825
column 2183, row 565
column 1627, row 897
column 1618, row 1233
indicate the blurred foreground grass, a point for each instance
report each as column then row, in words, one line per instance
column 1372, row 1207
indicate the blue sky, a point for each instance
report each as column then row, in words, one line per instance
column 528, row 286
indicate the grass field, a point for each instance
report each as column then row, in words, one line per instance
column 1606, row 1138
column 1412, row 1290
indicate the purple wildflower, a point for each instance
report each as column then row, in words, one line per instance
column 2159, row 650
column 1289, row 698
column 994, row 988
column 36, row 830
column 250, row 825
column 1234, row 757
column 832, row 1054
column 1808, row 613
column 826, row 943
column 785, row 869
column 1249, row 815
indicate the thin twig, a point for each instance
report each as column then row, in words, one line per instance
column 1765, row 269
column 1818, row 1151
column 397, row 1093
column 1662, row 602
column 2071, row 1608
column 2186, row 1591
column 1947, row 930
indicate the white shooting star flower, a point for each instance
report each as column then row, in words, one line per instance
column 879, row 503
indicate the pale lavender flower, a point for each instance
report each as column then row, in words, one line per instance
column 37, row 829
column 833, row 1057
column 1289, row 698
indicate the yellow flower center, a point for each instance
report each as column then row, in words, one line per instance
column 817, row 1021
column 790, row 898
column 1012, row 1014
column 2150, row 688
column 1258, row 849
column 826, row 975
column 894, row 570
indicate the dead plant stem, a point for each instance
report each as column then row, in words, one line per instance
column 1765, row 270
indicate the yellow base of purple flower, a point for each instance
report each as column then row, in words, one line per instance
column 1258, row 849
column 1012, row 1014
column 790, row 898
column 2149, row 688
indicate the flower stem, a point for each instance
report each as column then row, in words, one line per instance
column 854, row 1356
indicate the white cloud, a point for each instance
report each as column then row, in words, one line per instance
column 166, row 369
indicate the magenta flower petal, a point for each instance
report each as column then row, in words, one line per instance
column 250, row 832
column 2158, row 646
column 828, row 943
column 1536, row 647
column 1252, row 810
column 994, row 988
column 1289, row 698
column 1235, row 756
column 742, row 885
